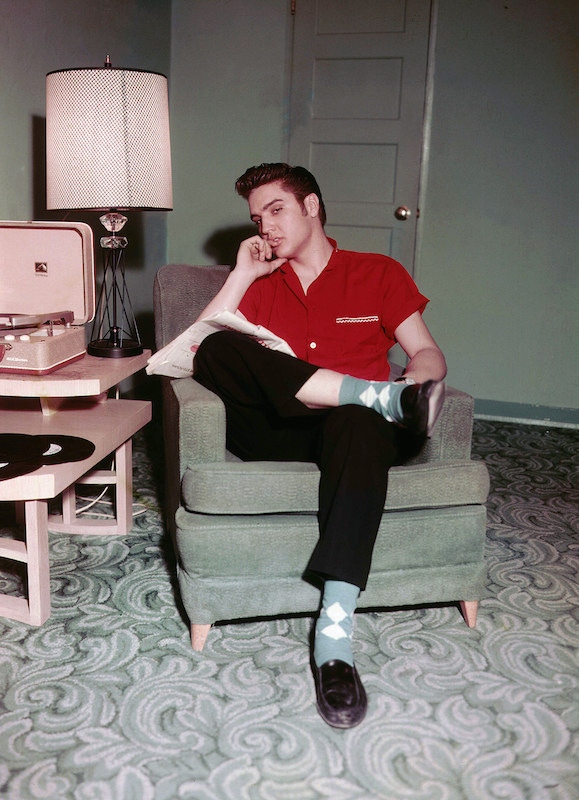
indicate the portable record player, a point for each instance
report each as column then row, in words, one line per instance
column 47, row 294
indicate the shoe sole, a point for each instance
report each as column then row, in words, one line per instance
column 435, row 403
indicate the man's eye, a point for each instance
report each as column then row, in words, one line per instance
column 275, row 210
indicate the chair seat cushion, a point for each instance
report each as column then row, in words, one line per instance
column 271, row 487
column 274, row 546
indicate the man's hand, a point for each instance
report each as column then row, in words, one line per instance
column 254, row 259
column 257, row 257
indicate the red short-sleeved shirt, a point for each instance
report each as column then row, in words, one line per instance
column 347, row 320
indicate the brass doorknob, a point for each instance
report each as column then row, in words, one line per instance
column 403, row 213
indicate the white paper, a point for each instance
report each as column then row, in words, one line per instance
column 176, row 359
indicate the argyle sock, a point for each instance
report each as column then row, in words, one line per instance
column 333, row 637
column 382, row 396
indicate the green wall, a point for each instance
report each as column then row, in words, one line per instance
column 498, row 234
column 37, row 36
column 499, row 243
column 228, row 78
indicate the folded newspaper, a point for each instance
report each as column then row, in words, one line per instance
column 176, row 359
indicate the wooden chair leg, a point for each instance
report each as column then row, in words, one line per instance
column 199, row 635
column 469, row 610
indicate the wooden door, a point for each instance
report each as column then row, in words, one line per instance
column 356, row 118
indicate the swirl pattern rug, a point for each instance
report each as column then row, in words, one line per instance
column 107, row 701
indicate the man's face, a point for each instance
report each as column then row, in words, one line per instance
column 281, row 220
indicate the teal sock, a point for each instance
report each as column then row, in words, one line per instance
column 333, row 637
column 382, row 396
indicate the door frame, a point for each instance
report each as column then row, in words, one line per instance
column 426, row 135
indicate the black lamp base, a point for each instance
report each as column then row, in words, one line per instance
column 115, row 328
column 105, row 348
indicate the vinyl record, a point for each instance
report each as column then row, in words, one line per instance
column 16, row 468
column 20, row 447
column 61, row 449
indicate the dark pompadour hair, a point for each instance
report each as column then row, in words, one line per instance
column 297, row 180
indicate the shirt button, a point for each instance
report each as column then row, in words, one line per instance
column 313, row 345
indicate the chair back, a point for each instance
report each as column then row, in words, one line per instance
column 180, row 293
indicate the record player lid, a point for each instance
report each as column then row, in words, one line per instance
column 47, row 267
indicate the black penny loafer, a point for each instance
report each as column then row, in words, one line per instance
column 341, row 698
column 421, row 406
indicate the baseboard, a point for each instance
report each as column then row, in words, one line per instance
column 527, row 414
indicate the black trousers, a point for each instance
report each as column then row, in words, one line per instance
column 353, row 446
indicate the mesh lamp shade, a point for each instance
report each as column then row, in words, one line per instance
column 107, row 140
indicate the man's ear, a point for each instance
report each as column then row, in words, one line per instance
column 312, row 205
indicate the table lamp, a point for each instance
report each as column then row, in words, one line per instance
column 108, row 149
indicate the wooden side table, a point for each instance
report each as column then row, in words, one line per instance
column 73, row 402
column 88, row 377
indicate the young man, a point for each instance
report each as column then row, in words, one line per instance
column 333, row 405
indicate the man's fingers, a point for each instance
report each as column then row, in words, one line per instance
column 261, row 252
column 261, row 249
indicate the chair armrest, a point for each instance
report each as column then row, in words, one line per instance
column 452, row 436
column 199, row 417
column 193, row 432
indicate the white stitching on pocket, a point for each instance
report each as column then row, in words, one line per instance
column 345, row 320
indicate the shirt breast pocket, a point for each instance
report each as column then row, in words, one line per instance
column 358, row 332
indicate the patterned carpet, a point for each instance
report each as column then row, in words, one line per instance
column 107, row 701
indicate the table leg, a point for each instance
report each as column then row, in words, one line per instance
column 121, row 477
column 34, row 553
column 124, row 493
column 38, row 563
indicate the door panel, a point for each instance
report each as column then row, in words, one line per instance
column 356, row 115
column 371, row 87
column 371, row 16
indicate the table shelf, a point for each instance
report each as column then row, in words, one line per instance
column 88, row 377
column 73, row 402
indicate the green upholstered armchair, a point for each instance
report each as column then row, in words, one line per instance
column 243, row 531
